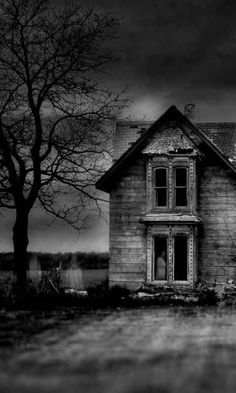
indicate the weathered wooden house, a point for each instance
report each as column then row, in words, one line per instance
column 172, row 191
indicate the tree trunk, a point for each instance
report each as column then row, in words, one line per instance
column 20, row 242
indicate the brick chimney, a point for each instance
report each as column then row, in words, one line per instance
column 189, row 112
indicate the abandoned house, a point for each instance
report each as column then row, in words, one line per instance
column 172, row 191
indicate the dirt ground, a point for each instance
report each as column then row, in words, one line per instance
column 111, row 351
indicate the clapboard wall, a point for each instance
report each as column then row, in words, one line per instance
column 127, row 235
column 216, row 244
column 217, row 209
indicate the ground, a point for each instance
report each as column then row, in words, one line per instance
column 150, row 349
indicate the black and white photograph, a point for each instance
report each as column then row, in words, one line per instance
column 117, row 196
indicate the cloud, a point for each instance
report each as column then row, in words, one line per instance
column 176, row 50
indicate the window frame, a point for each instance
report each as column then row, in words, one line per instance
column 165, row 236
column 171, row 232
column 170, row 261
column 155, row 188
column 187, row 206
column 171, row 163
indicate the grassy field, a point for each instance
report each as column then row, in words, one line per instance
column 149, row 349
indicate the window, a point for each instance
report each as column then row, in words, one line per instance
column 171, row 255
column 180, row 258
column 160, row 185
column 160, row 258
column 181, row 187
column 170, row 186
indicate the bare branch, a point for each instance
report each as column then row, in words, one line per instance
column 56, row 115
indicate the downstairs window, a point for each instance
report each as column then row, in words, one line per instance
column 170, row 254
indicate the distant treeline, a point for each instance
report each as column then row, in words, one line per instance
column 48, row 261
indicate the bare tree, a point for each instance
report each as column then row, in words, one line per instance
column 53, row 142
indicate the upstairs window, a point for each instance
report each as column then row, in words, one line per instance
column 161, row 187
column 171, row 186
column 181, row 187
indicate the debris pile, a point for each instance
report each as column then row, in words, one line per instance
column 200, row 294
column 226, row 293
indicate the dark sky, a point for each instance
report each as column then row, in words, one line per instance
column 176, row 52
column 172, row 52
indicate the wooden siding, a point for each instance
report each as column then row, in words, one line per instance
column 217, row 209
column 127, row 235
column 216, row 206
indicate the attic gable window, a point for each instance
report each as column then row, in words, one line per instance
column 169, row 181
column 161, row 187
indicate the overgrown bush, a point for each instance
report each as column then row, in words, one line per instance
column 50, row 281
column 7, row 285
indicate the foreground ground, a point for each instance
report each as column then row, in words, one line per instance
column 142, row 350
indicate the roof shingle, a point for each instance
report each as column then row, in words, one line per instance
column 218, row 137
column 223, row 135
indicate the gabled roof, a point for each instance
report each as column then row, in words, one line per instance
column 221, row 140
column 170, row 140
column 127, row 132
column 223, row 135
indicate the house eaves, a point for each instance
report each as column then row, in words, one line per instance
column 106, row 182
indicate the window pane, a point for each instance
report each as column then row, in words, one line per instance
column 161, row 197
column 181, row 196
column 181, row 177
column 160, row 178
column 160, row 258
column 181, row 259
